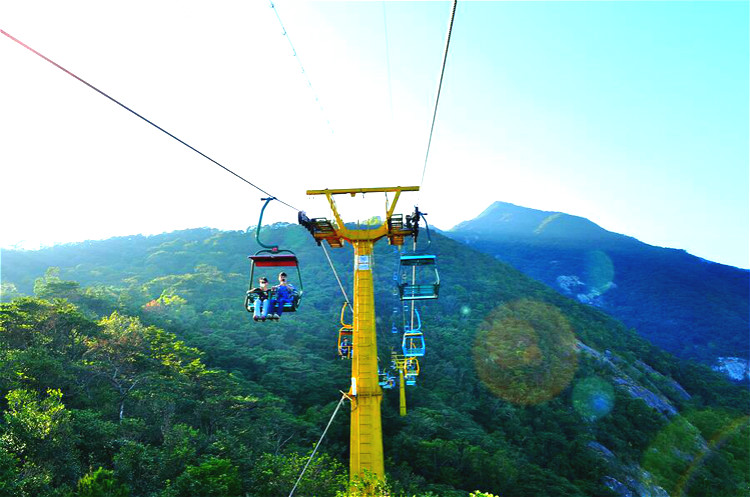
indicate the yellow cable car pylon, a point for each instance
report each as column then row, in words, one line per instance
column 366, row 434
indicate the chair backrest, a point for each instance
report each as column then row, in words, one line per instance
column 274, row 260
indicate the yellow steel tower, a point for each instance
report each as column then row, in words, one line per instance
column 366, row 436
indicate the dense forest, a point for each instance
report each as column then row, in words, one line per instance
column 691, row 307
column 130, row 368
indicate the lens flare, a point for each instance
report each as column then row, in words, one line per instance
column 465, row 310
column 599, row 272
column 684, row 445
column 525, row 352
column 593, row 398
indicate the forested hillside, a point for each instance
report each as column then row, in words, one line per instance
column 134, row 370
column 691, row 307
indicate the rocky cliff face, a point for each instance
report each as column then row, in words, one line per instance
column 573, row 286
column 648, row 385
column 736, row 368
column 640, row 381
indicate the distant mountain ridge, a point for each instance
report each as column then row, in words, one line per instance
column 694, row 308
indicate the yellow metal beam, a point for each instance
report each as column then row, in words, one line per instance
column 352, row 235
column 401, row 393
column 393, row 204
column 354, row 191
column 339, row 221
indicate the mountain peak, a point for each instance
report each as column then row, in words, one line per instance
column 504, row 218
column 504, row 210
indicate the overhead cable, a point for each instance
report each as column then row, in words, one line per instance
column 138, row 115
column 388, row 62
column 307, row 78
column 440, row 85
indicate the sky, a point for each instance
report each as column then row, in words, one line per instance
column 631, row 114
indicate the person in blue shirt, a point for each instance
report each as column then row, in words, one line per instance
column 283, row 293
column 346, row 348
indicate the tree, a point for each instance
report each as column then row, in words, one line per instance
column 10, row 478
column 8, row 292
column 100, row 483
column 214, row 477
column 121, row 356
column 50, row 287
column 38, row 432
column 274, row 475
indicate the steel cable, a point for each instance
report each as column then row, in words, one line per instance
column 330, row 262
column 440, row 85
column 140, row 116
column 338, row 406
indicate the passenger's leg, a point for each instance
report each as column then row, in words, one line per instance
column 273, row 308
column 256, row 309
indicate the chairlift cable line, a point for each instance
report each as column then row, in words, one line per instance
column 140, row 116
column 413, row 282
column 172, row 136
column 440, row 85
column 391, row 131
column 307, row 78
column 388, row 62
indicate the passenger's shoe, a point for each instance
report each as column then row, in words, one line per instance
column 255, row 318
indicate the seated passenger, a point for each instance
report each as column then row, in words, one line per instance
column 345, row 348
column 260, row 311
column 283, row 294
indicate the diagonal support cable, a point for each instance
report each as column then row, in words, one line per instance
column 338, row 406
column 330, row 262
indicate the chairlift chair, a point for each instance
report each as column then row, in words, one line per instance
column 426, row 283
column 345, row 346
column 419, row 278
column 411, row 371
column 413, row 344
column 272, row 257
column 345, row 343
column 386, row 380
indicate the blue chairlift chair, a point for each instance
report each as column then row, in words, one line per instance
column 386, row 380
column 413, row 344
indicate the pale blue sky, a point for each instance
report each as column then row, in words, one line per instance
column 632, row 114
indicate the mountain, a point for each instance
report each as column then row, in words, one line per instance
column 136, row 356
column 691, row 307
